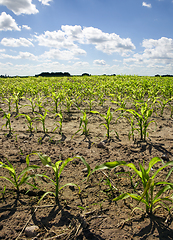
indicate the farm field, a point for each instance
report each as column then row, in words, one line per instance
column 83, row 123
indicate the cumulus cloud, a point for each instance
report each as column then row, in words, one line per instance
column 148, row 5
column 45, row 2
column 99, row 62
column 26, row 27
column 63, row 54
column 71, row 36
column 13, row 42
column 7, row 23
column 21, row 55
column 107, row 43
column 20, row 6
column 156, row 52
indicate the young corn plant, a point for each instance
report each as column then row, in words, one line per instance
column 83, row 124
column 151, row 196
column 68, row 103
column 132, row 125
column 108, row 118
column 142, row 119
column 9, row 102
column 58, row 167
column 162, row 104
column 40, row 104
column 59, row 122
column 29, row 123
column 20, row 179
column 33, row 103
column 42, row 119
column 55, row 97
column 8, row 122
column 16, row 98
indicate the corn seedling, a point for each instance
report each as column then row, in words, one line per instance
column 55, row 97
column 8, row 122
column 150, row 196
column 9, row 102
column 68, row 103
column 40, row 104
column 108, row 118
column 57, row 168
column 33, row 103
column 16, row 98
column 162, row 103
column 142, row 119
column 59, row 122
column 42, row 119
column 84, row 121
column 29, row 122
column 22, row 178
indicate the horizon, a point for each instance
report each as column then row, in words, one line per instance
column 86, row 36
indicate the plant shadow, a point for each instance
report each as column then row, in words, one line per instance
column 60, row 217
column 156, row 227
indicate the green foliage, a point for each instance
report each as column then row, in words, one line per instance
column 29, row 122
column 8, row 121
column 108, row 118
column 42, row 119
column 83, row 124
column 22, row 178
column 58, row 167
column 142, row 119
column 151, row 195
column 59, row 122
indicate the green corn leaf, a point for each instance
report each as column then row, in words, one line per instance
column 108, row 165
column 27, row 169
column 121, row 197
column 10, row 169
column 46, row 161
column 44, row 195
column 85, row 163
column 8, row 179
column 152, row 162
column 70, row 184
column 64, row 163
column 164, row 189
column 132, row 166
column 158, row 170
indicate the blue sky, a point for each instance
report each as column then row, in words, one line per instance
column 93, row 36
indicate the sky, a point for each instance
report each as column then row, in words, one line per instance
column 127, row 37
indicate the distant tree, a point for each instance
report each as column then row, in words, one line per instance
column 86, row 74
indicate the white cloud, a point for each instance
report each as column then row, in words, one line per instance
column 2, row 50
column 45, row 2
column 22, row 55
column 156, row 52
column 26, row 27
column 99, row 62
column 71, row 36
column 7, row 23
column 148, row 5
column 20, row 6
column 13, row 42
column 63, row 54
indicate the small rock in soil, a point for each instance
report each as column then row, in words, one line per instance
column 101, row 145
column 31, row 231
column 165, row 157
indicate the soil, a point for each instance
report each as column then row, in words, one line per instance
column 92, row 214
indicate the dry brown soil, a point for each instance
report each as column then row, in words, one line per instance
column 93, row 214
